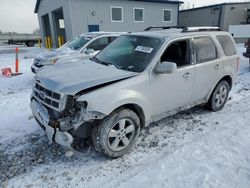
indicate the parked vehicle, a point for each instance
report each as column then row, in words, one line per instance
column 138, row 79
column 27, row 42
column 247, row 53
column 84, row 46
column 21, row 39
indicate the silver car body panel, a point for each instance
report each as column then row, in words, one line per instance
column 76, row 57
column 72, row 78
column 158, row 95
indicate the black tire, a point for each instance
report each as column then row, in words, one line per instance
column 103, row 139
column 219, row 96
column 30, row 43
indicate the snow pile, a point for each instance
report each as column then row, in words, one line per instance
column 195, row 148
column 15, row 95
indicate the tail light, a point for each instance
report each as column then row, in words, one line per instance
column 238, row 64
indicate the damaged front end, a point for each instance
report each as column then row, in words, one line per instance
column 61, row 117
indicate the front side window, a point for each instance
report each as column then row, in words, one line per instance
column 205, row 49
column 138, row 15
column 226, row 44
column 167, row 15
column 76, row 43
column 99, row 44
column 131, row 53
column 178, row 52
column 116, row 14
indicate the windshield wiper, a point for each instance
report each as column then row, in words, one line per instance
column 95, row 59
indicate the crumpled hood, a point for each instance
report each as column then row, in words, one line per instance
column 71, row 78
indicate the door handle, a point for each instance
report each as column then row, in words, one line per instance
column 187, row 75
column 217, row 66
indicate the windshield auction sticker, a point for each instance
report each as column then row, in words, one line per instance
column 144, row 49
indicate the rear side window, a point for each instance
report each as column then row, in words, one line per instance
column 205, row 49
column 226, row 44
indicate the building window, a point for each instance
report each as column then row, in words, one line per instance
column 167, row 15
column 138, row 14
column 116, row 14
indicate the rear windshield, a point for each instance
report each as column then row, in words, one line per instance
column 226, row 44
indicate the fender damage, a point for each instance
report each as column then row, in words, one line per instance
column 74, row 120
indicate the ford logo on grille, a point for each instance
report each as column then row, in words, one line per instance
column 42, row 95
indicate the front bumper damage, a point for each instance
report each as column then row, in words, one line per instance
column 53, row 133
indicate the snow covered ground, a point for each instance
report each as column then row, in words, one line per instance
column 195, row 148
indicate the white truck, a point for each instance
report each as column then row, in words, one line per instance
column 16, row 38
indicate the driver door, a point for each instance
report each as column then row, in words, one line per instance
column 171, row 91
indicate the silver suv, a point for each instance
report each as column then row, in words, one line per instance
column 138, row 79
column 81, row 47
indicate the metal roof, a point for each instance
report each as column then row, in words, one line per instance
column 215, row 5
column 152, row 1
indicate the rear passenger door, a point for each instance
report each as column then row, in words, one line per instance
column 208, row 67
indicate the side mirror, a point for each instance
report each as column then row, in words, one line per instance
column 89, row 51
column 166, row 67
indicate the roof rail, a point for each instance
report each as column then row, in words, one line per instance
column 184, row 29
column 195, row 29
column 164, row 27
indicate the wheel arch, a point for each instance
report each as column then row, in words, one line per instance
column 227, row 78
column 137, row 109
column 130, row 99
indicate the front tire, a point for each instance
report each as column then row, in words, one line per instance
column 116, row 133
column 219, row 96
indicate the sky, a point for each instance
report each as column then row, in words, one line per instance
column 18, row 15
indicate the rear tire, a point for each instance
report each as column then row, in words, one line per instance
column 30, row 43
column 116, row 133
column 219, row 96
